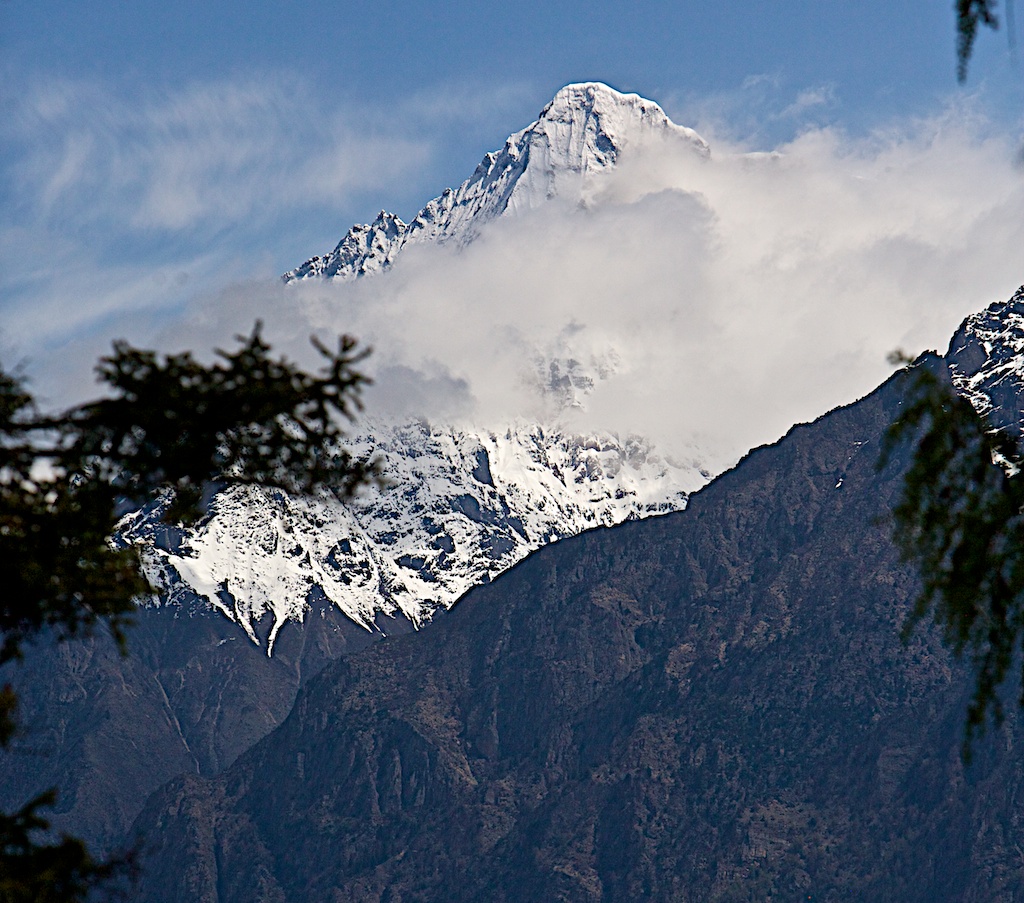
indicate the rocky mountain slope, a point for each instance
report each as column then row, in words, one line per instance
column 191, row 694
column 711, row 705
column 194, row 693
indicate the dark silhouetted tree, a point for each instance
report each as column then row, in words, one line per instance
column 169, row 427
column 969, row 15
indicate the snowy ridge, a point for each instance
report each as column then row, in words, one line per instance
column 986, row 362
column 577, row 137
column 462, row 506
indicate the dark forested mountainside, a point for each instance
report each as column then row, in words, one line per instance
column 713, row 705
column 191, row 695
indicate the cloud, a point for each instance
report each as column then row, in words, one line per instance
column 705, row 304
column 199, row 156
column 763, row 111
column 712, row 303
column 809, row 99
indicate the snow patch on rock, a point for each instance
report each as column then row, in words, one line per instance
column 986, row 362
column 460, row 506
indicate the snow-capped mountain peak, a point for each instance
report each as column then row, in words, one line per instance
column 583, row 131
column 986, row 358
column 579, row 135
column 460, row 506
column 463, row 502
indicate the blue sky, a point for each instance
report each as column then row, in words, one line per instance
column 399, row 69
column 155, row 154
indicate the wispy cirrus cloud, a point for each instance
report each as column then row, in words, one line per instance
column 765, row 110
column 120, row 204
column 198, row 157
column 810, row 99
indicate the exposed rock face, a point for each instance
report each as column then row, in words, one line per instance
column 191, row 694
column 712, row 705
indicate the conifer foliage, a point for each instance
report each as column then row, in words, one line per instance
column 169, row 428
column 960, row 520
column 969, row 15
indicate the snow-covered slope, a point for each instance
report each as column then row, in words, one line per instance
column 577, row 137
column 461, row 506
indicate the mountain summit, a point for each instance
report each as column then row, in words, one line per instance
column 579, row 135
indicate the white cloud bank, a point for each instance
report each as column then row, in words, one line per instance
column 723, row 300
